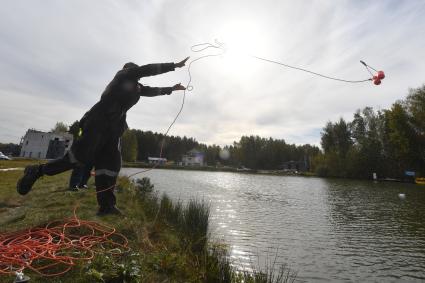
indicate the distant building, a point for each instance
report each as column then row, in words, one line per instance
column 157, row 160
column 193, row 157
column 296, row 165
column 42, row 145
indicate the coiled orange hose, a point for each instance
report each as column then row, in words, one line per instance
column 55, row 248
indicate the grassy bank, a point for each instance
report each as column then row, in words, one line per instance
column 17, row 163
column 169, row 242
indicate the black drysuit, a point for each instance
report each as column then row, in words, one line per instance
column 103, row 125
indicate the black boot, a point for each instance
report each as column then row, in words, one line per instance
column 31, row 174
column 73, row 189
column 108, row 210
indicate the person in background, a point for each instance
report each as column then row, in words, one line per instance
column 79, row 177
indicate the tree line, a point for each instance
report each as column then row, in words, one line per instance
column 250, row 151
column 10, row 149
column 137, row 145
column 388, row 142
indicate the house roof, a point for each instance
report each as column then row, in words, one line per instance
column 64, row 135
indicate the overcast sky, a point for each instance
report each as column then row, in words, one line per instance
column 56, row 57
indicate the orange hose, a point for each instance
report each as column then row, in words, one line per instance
column 57, row 246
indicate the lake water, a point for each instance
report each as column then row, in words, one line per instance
column 328, row 230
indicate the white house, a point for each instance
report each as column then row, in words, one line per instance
column 193, row 157
column 157, row 160
column 37, row 144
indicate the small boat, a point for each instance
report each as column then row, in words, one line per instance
column 420, row 181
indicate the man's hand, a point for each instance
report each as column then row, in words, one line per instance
column 181, row 63
column 179, row 86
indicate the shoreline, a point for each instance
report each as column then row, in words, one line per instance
column 257, row 172
column 220, row 169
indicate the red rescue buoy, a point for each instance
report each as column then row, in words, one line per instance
column 381, row 75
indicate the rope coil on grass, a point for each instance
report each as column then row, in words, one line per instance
column 53, row 249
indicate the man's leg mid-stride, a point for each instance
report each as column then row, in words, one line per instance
column 107, row 168
column 33, row 172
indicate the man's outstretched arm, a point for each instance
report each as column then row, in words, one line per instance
column 151, row 69
column 155, row 91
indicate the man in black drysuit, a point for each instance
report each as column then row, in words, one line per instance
column 102, row 127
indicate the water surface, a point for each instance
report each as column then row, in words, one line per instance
column 325, row 229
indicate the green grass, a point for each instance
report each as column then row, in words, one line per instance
column 17, row 162
column 169, row 241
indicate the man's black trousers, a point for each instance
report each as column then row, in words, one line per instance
column 93, row 147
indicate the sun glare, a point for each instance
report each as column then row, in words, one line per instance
column 241, row 39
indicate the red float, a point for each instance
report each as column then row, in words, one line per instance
column 381, row 75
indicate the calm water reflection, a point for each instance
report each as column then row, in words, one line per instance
column 326, row 229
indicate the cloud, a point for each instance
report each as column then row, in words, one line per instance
column 56, row 58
